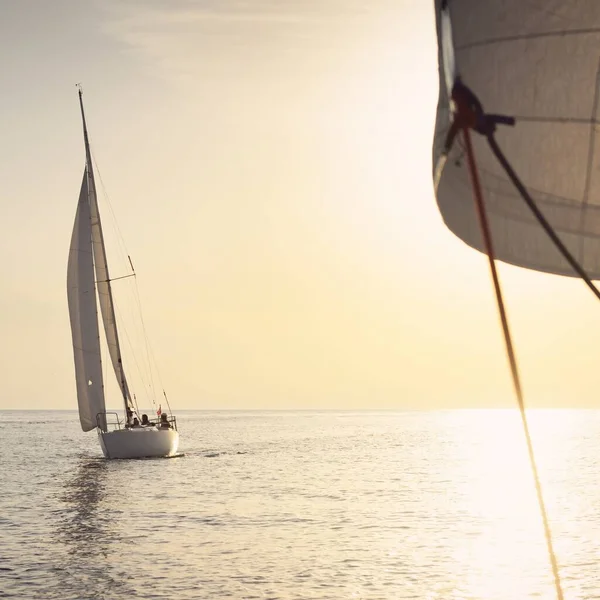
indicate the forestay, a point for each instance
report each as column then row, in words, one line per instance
column 537, row 61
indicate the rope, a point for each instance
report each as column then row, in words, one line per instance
column 147, row 345
column 469, row 115
column 122, row 248
column 538, row 214
column 487, row 239
column 124, row 253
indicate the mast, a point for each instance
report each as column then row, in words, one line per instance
column 103, row 285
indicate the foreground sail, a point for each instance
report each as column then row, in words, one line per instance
column 516, row 157
column 87, row 272
column 538, row 62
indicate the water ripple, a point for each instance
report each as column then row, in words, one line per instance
column 311, row 505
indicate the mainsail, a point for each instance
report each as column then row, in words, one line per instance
column 538, row 62
column 102, row 275
column 83, row 313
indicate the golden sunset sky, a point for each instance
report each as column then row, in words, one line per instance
column 269, row 166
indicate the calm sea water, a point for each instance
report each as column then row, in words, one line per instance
column 336, row 505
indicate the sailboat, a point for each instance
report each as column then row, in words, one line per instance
column 89, row 283
column 516, row 151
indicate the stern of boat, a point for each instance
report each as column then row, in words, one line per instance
column 139, row 442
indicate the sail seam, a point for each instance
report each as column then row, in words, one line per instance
column 529, row 36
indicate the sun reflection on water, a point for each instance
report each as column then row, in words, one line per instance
column 507, row 551
column 410, row 505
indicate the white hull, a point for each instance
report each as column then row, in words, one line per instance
column 139, row 442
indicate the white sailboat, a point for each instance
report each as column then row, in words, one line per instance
column 87, row 272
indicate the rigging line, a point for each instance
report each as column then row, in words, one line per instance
column 150, row 352
column 124, row 327
column 469, row 115
column 142, row 341
column 147, row 343
column 137, row 408
column 487, row 238
column 538, row 214
column 120, row 237
column 126, row 253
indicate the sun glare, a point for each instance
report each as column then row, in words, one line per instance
column 496, row 495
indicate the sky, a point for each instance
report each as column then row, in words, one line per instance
column 268, row 165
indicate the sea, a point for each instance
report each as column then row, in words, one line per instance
column 378, row 505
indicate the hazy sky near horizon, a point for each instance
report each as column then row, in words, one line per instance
column 269, row 166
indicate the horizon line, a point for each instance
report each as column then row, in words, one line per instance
column 406, row 409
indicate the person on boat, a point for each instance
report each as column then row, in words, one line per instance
column 129, row 417
column 145, row 422
column 164, row 424
column 136, row 422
